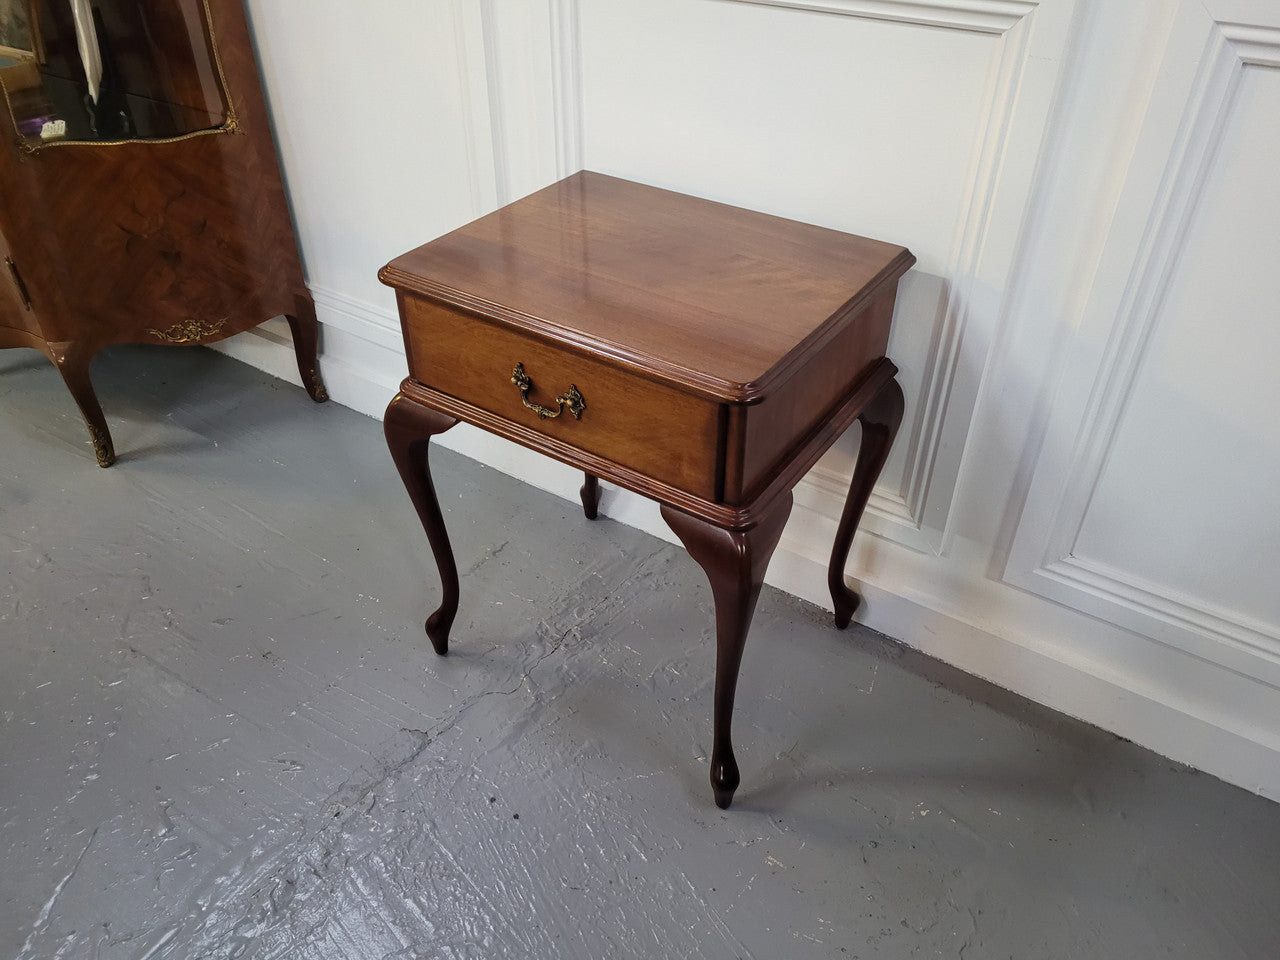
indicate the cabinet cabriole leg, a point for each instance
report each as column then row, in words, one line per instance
column 306, row 335
column 72, row 361
column 409, row 427
column 735, row 563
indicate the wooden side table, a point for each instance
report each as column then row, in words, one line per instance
column 693, row 352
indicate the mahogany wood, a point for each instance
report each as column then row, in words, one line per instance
column 652, row 427
column 151, row 242
column 722, row 301
column 735, row 563
column 880, row 420
column 718, row 353
column 409, row 427
column 805, row 453
column 590, row 494
column 808, row 399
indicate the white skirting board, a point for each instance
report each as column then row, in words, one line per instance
column 1190, row 711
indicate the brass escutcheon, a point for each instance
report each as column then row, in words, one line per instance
column 571, row 398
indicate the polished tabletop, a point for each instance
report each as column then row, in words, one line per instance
column 709, row 295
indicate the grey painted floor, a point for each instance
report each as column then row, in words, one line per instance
column 224, row 734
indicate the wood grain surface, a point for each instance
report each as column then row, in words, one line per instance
column 630, row 419
column 723, row 300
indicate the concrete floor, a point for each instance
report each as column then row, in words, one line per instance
column 224, row 734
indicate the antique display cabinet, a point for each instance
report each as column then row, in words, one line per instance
column 140, row 194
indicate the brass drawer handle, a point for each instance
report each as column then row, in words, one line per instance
column 571, row 398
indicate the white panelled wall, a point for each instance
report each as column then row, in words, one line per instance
column 1084, row 502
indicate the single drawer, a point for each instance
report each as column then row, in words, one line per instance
column 628, row 419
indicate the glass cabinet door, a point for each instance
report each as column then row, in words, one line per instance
column 85, row 71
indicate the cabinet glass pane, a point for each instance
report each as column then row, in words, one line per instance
column 15, row 28
column 110, row 70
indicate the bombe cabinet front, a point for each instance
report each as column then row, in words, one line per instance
column 140, row 194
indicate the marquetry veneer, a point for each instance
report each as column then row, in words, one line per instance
column 176, row 234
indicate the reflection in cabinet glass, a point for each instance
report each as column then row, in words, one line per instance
column 140, row 196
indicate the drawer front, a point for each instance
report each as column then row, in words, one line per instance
column 630, row 420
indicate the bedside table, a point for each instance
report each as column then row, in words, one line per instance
column 692, row 352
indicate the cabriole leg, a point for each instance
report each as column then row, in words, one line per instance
column 409, row 427
column 880, row 420
column 72, row 361
column 306, row 335
column 590, row 494
column 735, row 562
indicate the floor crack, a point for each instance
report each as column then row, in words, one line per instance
column 42, row 918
